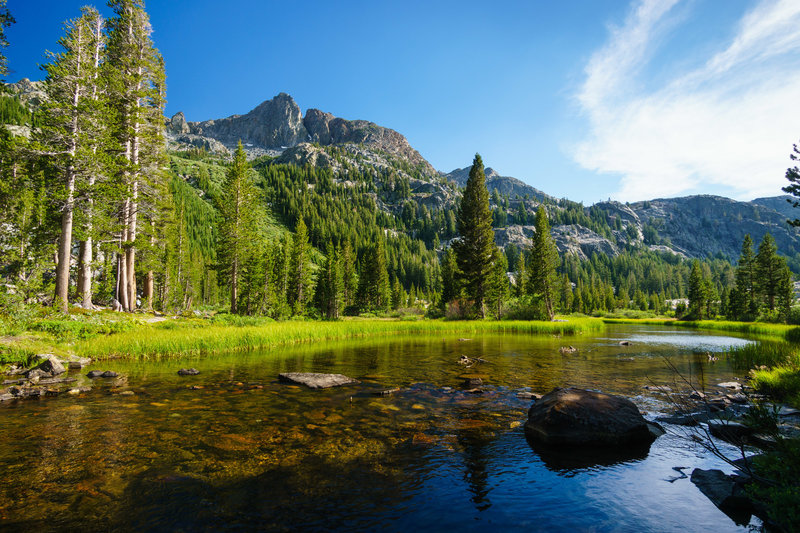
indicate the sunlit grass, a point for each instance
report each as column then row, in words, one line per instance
column 194, row 338
column 764, row 353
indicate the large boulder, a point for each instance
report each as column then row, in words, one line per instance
column 580, row 417
column 48, row 368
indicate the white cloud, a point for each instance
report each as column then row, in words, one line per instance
column 727, row 124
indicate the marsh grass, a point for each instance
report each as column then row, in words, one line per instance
column 764, row 353
column 194, row 338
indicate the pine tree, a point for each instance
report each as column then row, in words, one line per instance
column 6, row 20
column 450, row 278
column 793, row 175
column 520, row 287
column 134, row 71
column 70, row 127
column 349, row 275
column 768, row 268
column 299, row 273
column 743, row 301
column 544, row 261
column 237, row 230
column 697, row 292
column 498, row 285
column 330, row 285
column 785, row 294
column 475, row 245
column 374, row 290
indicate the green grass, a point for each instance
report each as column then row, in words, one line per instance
column 765, row 353
column 781, row 383
column 783, row 331
column 192, row 337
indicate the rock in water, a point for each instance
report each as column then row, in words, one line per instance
column 580, row 417
column 315, row 380
column 48, row 368
column 725, row 493
column 188, row 372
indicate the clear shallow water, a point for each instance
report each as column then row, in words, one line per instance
column 247, row 452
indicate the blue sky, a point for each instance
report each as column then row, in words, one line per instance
column 584, row 99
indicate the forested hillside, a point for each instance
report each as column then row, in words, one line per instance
column 96, row 211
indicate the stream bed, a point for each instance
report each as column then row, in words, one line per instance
column 234, row 449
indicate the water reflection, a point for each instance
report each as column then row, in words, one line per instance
column 246, row 452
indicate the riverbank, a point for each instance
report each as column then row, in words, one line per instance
column 104, row 336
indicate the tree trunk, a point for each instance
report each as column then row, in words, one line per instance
column 148, row 290
column 234, row 285
column 85, row 273
column 65, row 248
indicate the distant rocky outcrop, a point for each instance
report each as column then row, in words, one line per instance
column 583, row 242
column 706, row 225
column 30, row 93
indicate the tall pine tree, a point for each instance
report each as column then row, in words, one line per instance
column 135, row 76
column 237, row 232
column 544, row 261
column 475, row 245
column 71, row 126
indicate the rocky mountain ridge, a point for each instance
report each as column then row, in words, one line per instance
column 278, row 124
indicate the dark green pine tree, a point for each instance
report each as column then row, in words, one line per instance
column 330, row 285
column 544, row 261
column 743, row 302
column 6, row 20
column 373, row 281
column 299, row 272
column 475, row 245
column 793, row 175
column 450, row 279
column 349, row 276
column 237, row 230
column 697, row 293
column 498, row 286
column 785, row 294
column 769, row 269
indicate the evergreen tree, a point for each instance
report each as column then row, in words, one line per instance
column 299, row 271
column 374, row 290
column 520, row 287
column 71, row 126
column 769, row 269
column 450, row 278
column 785, row 294
column 6, row 20
column 743, row 301
column 349, row 275
column 330, row 285
column 475, row 247
column 544, row 261
column 793, row 175
column 698, row 297
column 134, row 71
column 498, row 285
column 237, row 231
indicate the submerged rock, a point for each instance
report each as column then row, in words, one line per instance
column 101, row 374
column 725, row 493
column 315, row 380
column 188, row 372
column 580, row 417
